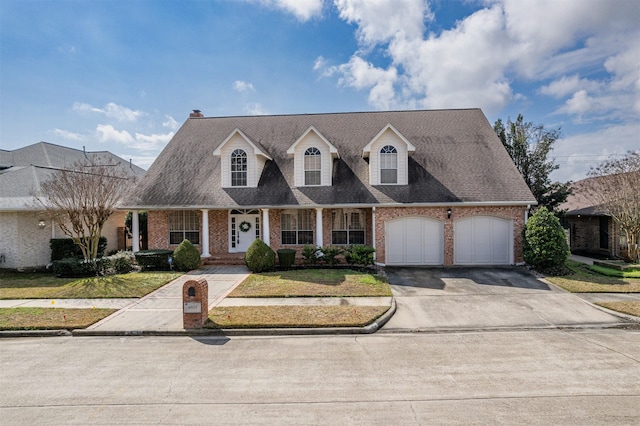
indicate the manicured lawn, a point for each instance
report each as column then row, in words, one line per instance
column 50, row 318
column 585, row 280
column 16, row 285
column 631, row 308
column 313, row 283
column 293, row 316
column 610, row 272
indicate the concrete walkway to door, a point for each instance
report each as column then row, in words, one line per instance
column 162, row 309
column 440, row 299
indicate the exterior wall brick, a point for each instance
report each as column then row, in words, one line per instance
column 515, row 213
column 218, row 231
column 584, row 235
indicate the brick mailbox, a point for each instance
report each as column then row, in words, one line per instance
column 195, row 303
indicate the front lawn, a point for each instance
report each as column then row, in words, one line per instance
column 17, row 285
column 50, row 318
column 293, row 316
column 585, row 280
column 631, row 308
column 313, row 283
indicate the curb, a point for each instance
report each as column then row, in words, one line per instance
column 369, row 329
column 35, row 333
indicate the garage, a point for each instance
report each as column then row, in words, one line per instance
column 414, row 241
column 483, row 240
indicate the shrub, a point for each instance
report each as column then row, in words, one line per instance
column 311, row 254
column 286, row 257
column 186, row 256
column 153, row 259
column 260, row 257
column 74, row 267
column 544, row 241
column 330, row 254
column 64, row 248
column 122, row 262
column 359, row 255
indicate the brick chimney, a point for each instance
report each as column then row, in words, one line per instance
column 196, row 114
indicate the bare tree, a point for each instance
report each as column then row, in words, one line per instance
column 616, row 192
column 82, row 198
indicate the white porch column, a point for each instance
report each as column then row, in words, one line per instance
column 205, row 233
column 318, row 227
column 266, row 233
column 135, row 232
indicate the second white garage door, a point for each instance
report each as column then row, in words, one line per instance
column 414, row 241
column 483, row 240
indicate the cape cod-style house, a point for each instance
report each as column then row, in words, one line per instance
column 422, row 187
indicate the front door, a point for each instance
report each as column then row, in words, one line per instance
column 245, row 228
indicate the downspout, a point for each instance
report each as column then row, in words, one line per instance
column 373, row 232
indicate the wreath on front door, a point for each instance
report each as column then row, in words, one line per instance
column 244, row 226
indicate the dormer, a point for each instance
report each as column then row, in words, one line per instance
column 313, row 157
column 388, row 153
column 242, row 161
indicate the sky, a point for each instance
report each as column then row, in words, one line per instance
column 123, row 76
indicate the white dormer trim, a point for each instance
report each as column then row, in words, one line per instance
column 389, row 135
column 256, row 149
column 312, row 138
column 256, row 159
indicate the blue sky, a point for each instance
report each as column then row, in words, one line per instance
column 123, row 75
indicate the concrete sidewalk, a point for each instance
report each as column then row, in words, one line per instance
column 162, row 310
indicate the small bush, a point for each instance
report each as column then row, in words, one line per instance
column 330, row 255
column 311, row 254
column 74, row 267
column 122, row 262
column 359, row 255
column 157, row 260
column 186, row 256
column 544, row 241
column 64, row 248
column 260, row 257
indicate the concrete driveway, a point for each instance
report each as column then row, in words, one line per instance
column 431, row 299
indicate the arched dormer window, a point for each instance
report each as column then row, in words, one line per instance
column 388, row 164
column 312, row 167
column 238, row 168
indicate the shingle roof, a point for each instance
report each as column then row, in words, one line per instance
column 24, row 169
column 458, row 158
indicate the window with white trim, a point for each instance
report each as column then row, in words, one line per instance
column 388, row 164
column 238, row 168
column 312, row 166
column 297, row 227
column 184, row 225
column 347, row 226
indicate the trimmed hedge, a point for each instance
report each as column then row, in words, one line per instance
column 157, row 260
column 64, row 248
column 260, row 257
column 544, row 243
column 74, row 267
column 286, row 257
column 359, row 255
column 186, row 257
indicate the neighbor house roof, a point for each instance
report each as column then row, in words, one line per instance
column 457, row 159
column 23, row 170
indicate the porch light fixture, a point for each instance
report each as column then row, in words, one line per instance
column 449, row 213
column 42, row 224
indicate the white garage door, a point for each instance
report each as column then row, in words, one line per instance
column 483, row 240
column 414, row 241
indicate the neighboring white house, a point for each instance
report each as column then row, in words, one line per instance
column 25, row 229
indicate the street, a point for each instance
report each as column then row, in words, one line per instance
column 589, row 376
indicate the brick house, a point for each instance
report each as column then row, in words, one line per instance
column 422, row 187
column 24, row 226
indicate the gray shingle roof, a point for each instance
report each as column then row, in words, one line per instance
column 458, row 158
column 24, row 169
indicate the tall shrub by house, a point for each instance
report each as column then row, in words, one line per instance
column 186, row 256
column 260, row 257
column 545, row 244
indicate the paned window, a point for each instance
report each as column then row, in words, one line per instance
column 238, row 168
column 312, row 166
column 297, row 227
column 347, row 226
column 388, row 165
column 184, row 225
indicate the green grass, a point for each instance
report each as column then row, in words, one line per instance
column 313, row 283
column 610, row 272
column 293, row 316
column 50, row 318
column 16, row 285
column 584, row 280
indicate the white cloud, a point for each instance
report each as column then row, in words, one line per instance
column 256, row 109
column 141, row 142
column 65, row 134
column 568, row 85
column 107, row 133
column 360, row 74
column 171, row 123
column 111, row 110
column 303, row 10
column 153, row 142
column 243, row 86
